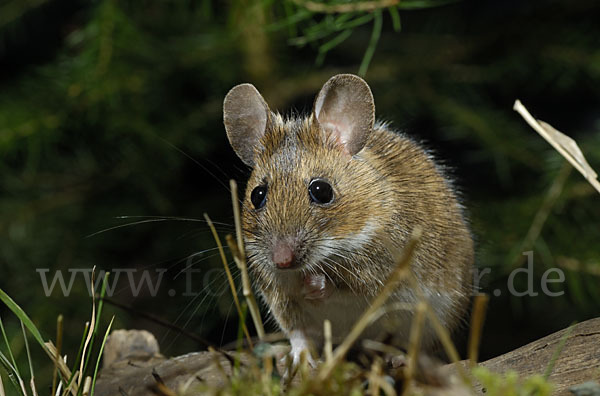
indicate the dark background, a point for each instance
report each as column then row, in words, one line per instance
column 113, row 108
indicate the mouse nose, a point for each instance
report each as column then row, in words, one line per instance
column 283, row 256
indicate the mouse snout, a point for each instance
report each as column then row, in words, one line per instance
column 283, row 255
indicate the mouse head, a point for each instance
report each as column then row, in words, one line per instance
column 309, row 199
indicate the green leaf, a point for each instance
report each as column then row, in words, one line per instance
column 18, row 311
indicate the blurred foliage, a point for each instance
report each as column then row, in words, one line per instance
column 509, row 383
column 113, row 108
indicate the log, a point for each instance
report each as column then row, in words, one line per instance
column 141, row 370
column 577, row 363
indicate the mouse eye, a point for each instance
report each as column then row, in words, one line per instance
column 258, row 196
column 320, row 191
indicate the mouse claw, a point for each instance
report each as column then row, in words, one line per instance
column 294, row 361
column 299, row 353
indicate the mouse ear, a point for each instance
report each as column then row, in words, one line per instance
column 346, row 109
column 245, row 115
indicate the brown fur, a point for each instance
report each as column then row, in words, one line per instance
column 381, row 194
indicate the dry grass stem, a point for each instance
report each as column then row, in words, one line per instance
column 32, row 386
column 239, row 255
column 374, row 376
column 90, row 328
column 267, row 375
column 2, row 393
column 247, row 288
column 477, row 319
column 229, row 278
column 414, row 342
column 59, row 337
column 72, row 388
column 562, row 143
column 381, row 347
column 401, row 271
column 442, row 333
column 328, row 346
column 28, row 352
column 447, row 343
column 377, row 380
column 64, row 370
column 87, row 386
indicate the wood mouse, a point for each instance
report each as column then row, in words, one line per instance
column 332, row 198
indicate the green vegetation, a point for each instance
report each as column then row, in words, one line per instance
column 509, row 384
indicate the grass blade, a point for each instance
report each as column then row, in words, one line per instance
column 100, row 354
column 59, row 337
column 32, row 379
column 12, row 358
column 79, row 353
column 18, row 311
column 13, row 375
column 94, row 325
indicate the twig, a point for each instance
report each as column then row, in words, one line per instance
column 239, row 256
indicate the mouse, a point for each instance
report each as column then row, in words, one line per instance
column 331, row 199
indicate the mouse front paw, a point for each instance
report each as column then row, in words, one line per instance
column 301, row 345
column 296, row 357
